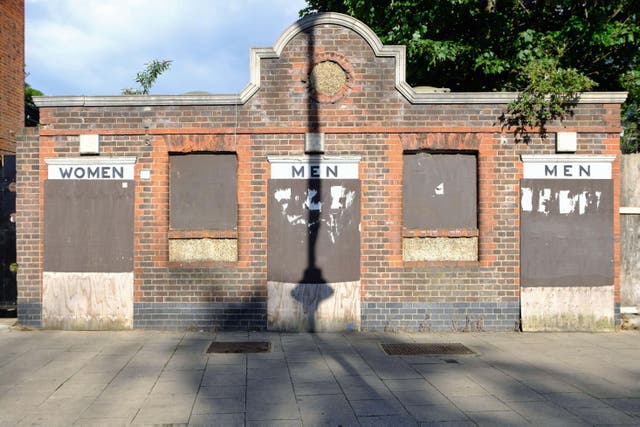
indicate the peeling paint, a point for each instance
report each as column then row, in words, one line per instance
column 341, row 199
column 527, row 199
column 544, row 196
column 567, row 203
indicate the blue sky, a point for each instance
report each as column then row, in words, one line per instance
column 96, row 47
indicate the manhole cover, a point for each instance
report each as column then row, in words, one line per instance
column 239, row 347
column 413, row 349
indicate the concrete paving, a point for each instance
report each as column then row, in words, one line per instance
column 139, row 377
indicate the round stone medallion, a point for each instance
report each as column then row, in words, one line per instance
column 328, row 78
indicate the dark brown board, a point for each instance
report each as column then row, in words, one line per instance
column 88, row 225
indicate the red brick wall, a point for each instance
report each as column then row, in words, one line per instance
column 372, row 120
column 11, row 73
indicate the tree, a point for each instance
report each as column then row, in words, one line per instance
column 147, row 77
column 549, row 51
column 31, row 112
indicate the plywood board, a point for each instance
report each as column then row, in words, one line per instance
column 87, row 301
column 313, row 307
column 314, row 231
column 576, row 308
column 88, row 225
column 439, row 191
column 566, row 232
column 203, row 191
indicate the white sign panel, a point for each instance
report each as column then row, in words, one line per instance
column 91, row 168
column 309, row 168
column 565, row 167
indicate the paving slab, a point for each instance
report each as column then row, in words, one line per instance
column 148, row 377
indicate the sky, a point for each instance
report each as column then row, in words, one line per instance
column 96, row 47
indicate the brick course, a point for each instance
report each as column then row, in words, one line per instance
column 372, row 120
column 12, row 72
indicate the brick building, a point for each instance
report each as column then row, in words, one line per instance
column 12, row 73
column 327, row 195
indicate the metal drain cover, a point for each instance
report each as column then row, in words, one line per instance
column 239, row 347
column 432, row 349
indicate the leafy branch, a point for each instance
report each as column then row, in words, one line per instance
column 551, row 93
column 147, row 77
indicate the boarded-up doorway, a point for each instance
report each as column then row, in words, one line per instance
column 567, row 246
column 88, row 254
column 313, row 246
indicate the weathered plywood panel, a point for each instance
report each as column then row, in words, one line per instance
column 198, row 250
column 88, row 225
column 314, row 231
column 630, row 231
column 630, row 180
column 575, row 308
column 313, row 307
column 439, row 191
column 87, row 301
column 204, row 191
column 440, row 249
column 567, row 233
column 630, row 260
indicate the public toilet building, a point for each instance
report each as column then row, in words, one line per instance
column 327, row 195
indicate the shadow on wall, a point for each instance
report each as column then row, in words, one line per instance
column 312, row 288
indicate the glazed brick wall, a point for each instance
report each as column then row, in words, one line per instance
column 11, row 73
column 372, row 120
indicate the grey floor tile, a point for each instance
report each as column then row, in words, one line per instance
column 543, row 413
column 274, row 423
column 223, row 380
column 436, row 413
column 229, row 392
column 368, row 408
column 387, row 420
column 317, row 388
column 498, row 418
column 629, row 406
column 102, row 422
column 421, row 397
column 478, row 403
column 575, row 400
column 326, row 411
column 217, row 420
column 205, row 405
column 605, row 415
column 286, row 409
column 408, row 384
column 268, row 373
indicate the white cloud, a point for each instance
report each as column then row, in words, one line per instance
column 93, row 47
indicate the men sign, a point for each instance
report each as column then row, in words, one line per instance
column 566, row 167
column 314, row 168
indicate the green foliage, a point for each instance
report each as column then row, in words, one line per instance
column 547, row 51
column 631, row 112
column 147, row 77
column 31, row 112
column 551, row 93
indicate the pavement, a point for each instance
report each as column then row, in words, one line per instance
column 166, row 378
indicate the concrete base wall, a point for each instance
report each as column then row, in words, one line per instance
column 440, row 316
column 313, row 307
column 568, row 308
